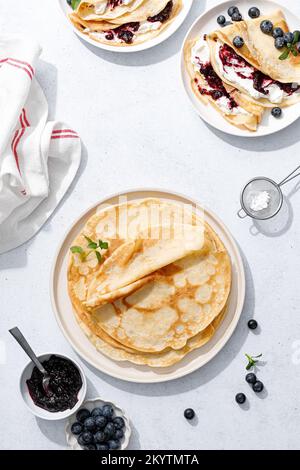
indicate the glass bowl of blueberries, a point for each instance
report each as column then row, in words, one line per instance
column 98, row 425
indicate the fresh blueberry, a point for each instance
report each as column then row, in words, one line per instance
column 113, row 444
column 90, row 447
column 266, row 26
column 102, row 447
column 119, row 422
column 69, row 2
column 289, row 38
column 217, row 94
column 238, row 42
column 221, row 20
column 99, row 437
column 279, row 43
column 237, row 16
column 232, row 10
column 189, row 413
column 76, row 429
column 89, row 424
column 276, row 112
column 109, row 430
column 100, row 422
column 240, row 398
column 107, row 411
column 278, row 33
column 85, row 438
column 254, row 12
column 258, row 386
column 82, row 415
column 252, row 324
column 119, row 434
column 96, row 412
column 251, row 378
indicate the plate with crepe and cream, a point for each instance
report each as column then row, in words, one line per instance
column 125, row 25
column 148, row 286
column 241, row 67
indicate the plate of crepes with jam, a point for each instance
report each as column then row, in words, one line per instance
column 148, row 286
column 241, row 67
column 125, row 25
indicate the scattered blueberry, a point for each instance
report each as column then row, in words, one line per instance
column 258, row 386
column 252, row 324
column 279, row 43
column 102, row 447
column 107, row 411
column 85, row 438
column 251, row 378
column 217, row 94
column 254, row 12
column 240, row 398
column 278, row 33
column 119, row 422
column 89, row 424
column 109, row 430
column 113, row 444
column 189, row 413
column 96, row 412
column 266, row 26
column 76, row 429
column 238, row 42
column 99, row 437
column 119, row 434
column 90, row 447
column 100, row 422
column 82, row 415
column 289, row 38
column 237, row 16
column 221, row 20
column 232, row 10
column 276, row 112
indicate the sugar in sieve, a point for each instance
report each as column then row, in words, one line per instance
column 262, row 198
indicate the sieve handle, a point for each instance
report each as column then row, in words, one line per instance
column 290, row 177
column 242, row 214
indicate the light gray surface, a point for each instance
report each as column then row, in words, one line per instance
column 139, row 130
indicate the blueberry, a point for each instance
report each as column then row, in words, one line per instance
column 69, row 2
column 90, row 447
column 85, row 438
column 89, row 424
column 96, row 412
column 266, row 26
column 252, row 324
column 113, row 444
column 119, row 434
column 251, row 378
column 240, row 398
column 278, row 33
column 107, row 411
column 237, row 17
column 102, row 447
column 289, row 38
column 221, row 20
column 109, row 430
column 217, row 94
column 238, row 42
column 119, row 422
column 258, row 386
column 100, row 422
column 76, row 428
column 276, row 112
column 189, row 413
column 254, row 12
column 82, row 415
column 232, row 10
column 99, row 437
column 279, row 43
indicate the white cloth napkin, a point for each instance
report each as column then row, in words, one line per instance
column 38, row 159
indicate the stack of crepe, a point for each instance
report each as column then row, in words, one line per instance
column 276, row 81
column 161, row 289
column 124, row 22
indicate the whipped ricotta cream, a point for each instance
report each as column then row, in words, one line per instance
column 101, row 7
column 242, row 77
column 145, row 27
column 200, row 55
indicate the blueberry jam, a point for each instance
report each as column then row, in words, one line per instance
column 164, row 15
column 114, row 3
column 124, row 32
column 261, row 82
column 65, row 383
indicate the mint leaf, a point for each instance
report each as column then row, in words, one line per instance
column 296, row 37
column 99, row 257
column 76, row 249
column 75, row 4
column 294, row 52
column 93, row 246
column 285, row 54
column 103, row 245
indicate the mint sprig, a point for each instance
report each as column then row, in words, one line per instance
column 75, row 3
column 93, row 248
column 252, row 361
column 291, row 49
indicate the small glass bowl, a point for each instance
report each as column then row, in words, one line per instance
column 254, row 187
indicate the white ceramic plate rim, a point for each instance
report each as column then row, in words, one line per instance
column 226, row 335
column 163, row 36
column 227, row 128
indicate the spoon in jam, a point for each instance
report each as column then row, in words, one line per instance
column 16, row 333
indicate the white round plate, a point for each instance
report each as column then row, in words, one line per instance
column 208, row 23
column 165, row 34
column 125, row 370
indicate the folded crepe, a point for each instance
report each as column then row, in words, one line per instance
column 255, row 69
column 99, row 10
column 234, row 106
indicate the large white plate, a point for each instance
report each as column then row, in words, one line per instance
column 208, row 23
column 124, row 370
column 165, row 34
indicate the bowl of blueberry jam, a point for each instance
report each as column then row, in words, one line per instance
column 98, row 425
column 66, row 392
